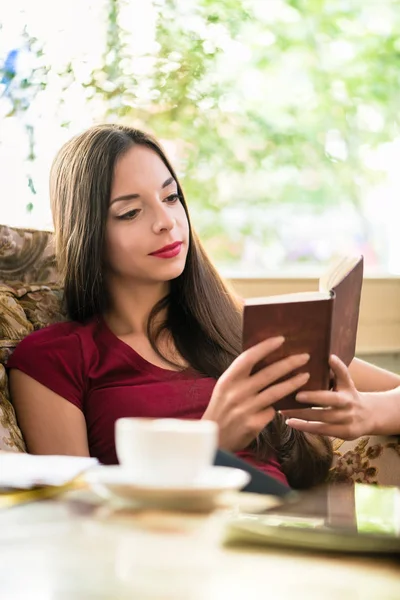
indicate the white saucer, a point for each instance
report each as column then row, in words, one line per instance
column 116, row 482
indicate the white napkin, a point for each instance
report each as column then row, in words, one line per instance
column 24, row 471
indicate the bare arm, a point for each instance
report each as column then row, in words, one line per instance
column 49, row 423
column 369, row 378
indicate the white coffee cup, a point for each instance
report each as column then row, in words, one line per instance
column 165, row 452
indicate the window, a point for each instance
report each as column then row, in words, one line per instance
column 281, row 116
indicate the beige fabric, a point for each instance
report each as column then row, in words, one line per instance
column 27, row 256
column 41, row 304
column 29, row 299
column 370, row 459
column 10, row 434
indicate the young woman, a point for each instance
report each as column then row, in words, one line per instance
column 153, row 330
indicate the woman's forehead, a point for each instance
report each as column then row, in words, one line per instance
column 141, row 163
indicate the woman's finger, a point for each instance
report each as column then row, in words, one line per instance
column 277, row 370
column 322, row 415
column 243, row 365
column 317, row 428
column 278, row 391
column 341, row 372
column 323, row 399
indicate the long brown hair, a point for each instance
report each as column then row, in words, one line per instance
column 203, row 315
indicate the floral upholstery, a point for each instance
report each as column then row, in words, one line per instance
column 27, row 256
column 10, row 435
column 30, row 298
column 370, row 459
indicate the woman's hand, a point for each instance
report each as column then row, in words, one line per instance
column 344, row 413
column 242, row 404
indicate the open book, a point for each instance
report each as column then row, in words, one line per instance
column 27, row 471
column 320, row 323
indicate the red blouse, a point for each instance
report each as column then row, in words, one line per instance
column 106, row 379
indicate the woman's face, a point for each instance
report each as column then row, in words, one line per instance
column 147, row 232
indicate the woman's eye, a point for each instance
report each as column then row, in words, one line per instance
column 129, row 215
column 172, row 198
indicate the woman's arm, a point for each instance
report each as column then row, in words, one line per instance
column 50, row 424
column 369, row 378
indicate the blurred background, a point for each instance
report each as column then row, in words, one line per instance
column 281, row 116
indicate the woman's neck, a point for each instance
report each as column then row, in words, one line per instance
column 131, row 305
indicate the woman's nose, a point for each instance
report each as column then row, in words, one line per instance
column 163, row 220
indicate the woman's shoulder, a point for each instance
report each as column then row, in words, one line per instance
column 57, row 334
column 67, row 340
column 57, row 357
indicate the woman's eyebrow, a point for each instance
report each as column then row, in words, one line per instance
column 127, row 197
column 168, row 182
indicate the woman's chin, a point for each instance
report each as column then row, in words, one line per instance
column 169, row 272
column 173, row 274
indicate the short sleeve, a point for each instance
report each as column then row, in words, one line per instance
column 53, row 357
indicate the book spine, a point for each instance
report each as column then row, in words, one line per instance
column 329, row 375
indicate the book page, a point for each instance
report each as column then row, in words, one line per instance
column 286, row 298
column 336, row 272
column 24, row 471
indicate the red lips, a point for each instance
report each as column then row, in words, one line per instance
column 168, row 251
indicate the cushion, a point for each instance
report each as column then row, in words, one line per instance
column 10, row 435
column 29, row 299
column 24, row 308
column 41, row 304
column 27, row 255
column 14, row 325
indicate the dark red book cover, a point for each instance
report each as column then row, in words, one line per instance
column 319, row 327
column 346, row 309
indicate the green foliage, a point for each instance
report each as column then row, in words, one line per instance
column 319, row 87
column 267, row 103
